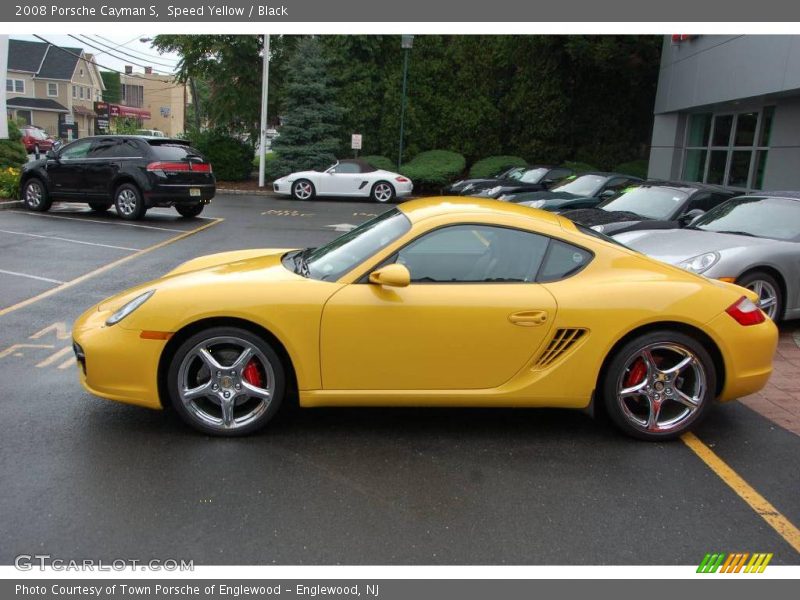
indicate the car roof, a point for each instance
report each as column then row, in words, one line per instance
column 363, row 165
column 609, row 174
column 688, row 185
column 145, row 138
column 424, row 208
column 787, row 194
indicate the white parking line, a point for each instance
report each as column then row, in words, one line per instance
column 34, row 214
column 30, row 276
column 60, row 239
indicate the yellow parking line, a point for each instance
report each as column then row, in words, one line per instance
column 762, row 507
column 105, row 268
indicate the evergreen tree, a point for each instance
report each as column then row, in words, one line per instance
column 308, row 137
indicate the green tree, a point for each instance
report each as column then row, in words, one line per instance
column 113, row 92
column 308, row 138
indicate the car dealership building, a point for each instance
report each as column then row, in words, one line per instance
column 727, row 111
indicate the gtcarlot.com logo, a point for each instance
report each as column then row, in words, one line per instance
column 737, row 562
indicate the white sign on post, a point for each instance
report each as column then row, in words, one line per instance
column 69, row 119
column 355, row 141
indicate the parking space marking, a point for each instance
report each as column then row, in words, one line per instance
column 60, row 239
column 54, row 357
column 762, row 507
column 106, row 267
column 120, row 223
column 29, row 276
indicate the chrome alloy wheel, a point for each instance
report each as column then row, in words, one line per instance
column 661, row 387
column 126, row 201
column 34, row 194
column 226, row 383
column 767, row 296
column 382, row 192
column 303, row 190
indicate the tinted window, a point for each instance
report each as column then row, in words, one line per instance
column 474, row 253
column 77, row 149
column 649, row 202
column 172, row 151
column 775, row 218
column 115, row 148
column 563, row 260
column 532, row 175
column 346, row 168
column 585, row 185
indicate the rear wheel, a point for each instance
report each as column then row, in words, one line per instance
column 770, row 299
column 129, row 203
column 226, row 381
column 383, row 192
column 35, row 196
column 100, row 206
column 190, row 210
column 303, row 189
column 659, row 385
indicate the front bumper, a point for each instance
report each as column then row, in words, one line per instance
column 117, row 363
column 282, row 187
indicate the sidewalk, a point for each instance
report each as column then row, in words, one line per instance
column 780, row 400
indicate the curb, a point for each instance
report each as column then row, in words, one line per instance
column 234, row 192
column 10, row 204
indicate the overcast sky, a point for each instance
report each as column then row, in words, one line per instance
column 109, row 50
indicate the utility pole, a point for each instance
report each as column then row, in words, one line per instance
column 406, row 43
column 262, row 147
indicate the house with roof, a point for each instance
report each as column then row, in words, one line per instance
column 53, row 88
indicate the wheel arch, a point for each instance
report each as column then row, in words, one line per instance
column 777, row 275
column 698, row 334
column 192, row 328
column 121, row 179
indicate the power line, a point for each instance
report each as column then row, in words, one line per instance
column 139, row 52
column 131, row 55
column 87, row 42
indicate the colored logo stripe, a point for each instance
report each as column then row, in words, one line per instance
column 734, row 562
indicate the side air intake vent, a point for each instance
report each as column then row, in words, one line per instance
column 562, row 341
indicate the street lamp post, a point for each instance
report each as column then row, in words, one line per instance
column 406, row 43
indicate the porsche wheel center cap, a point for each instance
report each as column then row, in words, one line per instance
column 226, row 382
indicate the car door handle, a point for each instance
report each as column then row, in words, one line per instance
column 528, row 318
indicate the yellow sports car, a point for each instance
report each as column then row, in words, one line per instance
column 438, row 302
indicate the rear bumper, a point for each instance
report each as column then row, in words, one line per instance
column 403, row 189
column 174, row 193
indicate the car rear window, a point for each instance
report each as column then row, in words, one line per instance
column 174, row 151
column 562, row 260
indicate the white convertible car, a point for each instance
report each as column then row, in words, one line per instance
column 346, row 178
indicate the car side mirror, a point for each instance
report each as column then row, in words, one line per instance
column 51, row 155
column 691, row 216
column 57, row 144
column 608, row 194
column 394, row 275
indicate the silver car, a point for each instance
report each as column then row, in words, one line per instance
column 753, row 241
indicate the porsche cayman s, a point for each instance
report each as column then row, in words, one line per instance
column 438, row 302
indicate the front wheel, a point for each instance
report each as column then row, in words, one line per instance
column 226, row 381
column 190, row 210
column 659, row 385
column 303, row 189
column 129, row 203
column 770, row 299
column 382, row 192
column 35, row 196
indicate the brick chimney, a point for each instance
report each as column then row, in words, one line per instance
column 148, row 70
column 128, row 70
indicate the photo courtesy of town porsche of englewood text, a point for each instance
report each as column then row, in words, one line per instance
column 370, row 300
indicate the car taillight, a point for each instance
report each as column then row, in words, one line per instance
column 176, row 167
column 746, row 312
column 401, row 179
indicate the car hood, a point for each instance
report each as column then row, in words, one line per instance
column 459, row 185
column 550, row 197
column 597, row 216
column 676, row 245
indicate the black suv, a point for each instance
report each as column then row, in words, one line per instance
column 132, row 172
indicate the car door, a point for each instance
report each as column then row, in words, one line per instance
column 344, row 179
column 470, row 319
column 66, row 170
column 102, row 164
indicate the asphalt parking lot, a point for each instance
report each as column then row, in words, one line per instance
column 88, row 478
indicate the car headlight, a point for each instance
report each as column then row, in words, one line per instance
column 700, row 264
column 129, row 307
column 598, row 228
column 537, row 203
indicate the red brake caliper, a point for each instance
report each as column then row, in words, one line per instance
column 252, row 374
column 637, row 373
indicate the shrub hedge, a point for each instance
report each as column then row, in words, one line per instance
column 493, row 165
column 379, row 162
column 434, row 168
column 637, row 168
column 580, row 167
column 230, row 157
column 12, row 152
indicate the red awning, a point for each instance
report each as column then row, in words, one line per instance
column 129, row 111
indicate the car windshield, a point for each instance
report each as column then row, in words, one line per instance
column 585, row 185
column 658, row 203
column 334, row 259
column 533, row 175
column 773, row 218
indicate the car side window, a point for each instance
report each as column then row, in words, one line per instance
column 563, row 260
column 346, row 168
column 617, row 184
column 558, row 174
column 474, row 254
column 104, row 149
column 79, row 149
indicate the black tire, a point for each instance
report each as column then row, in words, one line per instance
column 219, row 341
column 129, row 202
column 190, row 210
column 303, row 189
column 769, row 291
column 382, row 192
column 100, row 206
column 35, row 196
column 631, row 412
